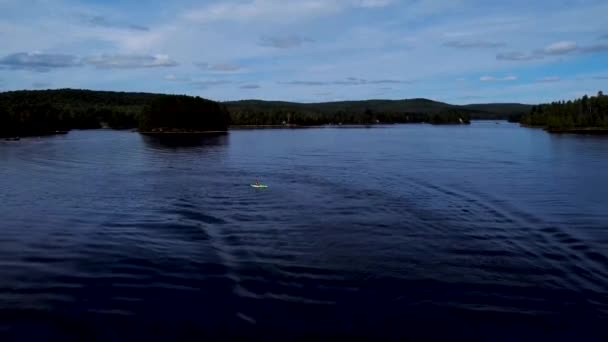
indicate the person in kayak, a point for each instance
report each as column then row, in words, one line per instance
column 257, row 182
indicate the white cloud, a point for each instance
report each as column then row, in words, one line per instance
column 518, row 56
column 38, row 61
column 555, row 49
column 130, row 61
column 560, row 48
column 175, row 78
column 137, row 41
column 498, row 79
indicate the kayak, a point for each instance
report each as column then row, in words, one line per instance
column 259, row 186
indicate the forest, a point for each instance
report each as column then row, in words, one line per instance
column 30, row 113
column 27, row 113
column 586, row 113
column 188, row 114
column 260, row 113
column 257, row 112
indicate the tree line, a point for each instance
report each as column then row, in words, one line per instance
column 27, row 113
column 255, row 112
column 187, row 114
column 583, row 113
column 263, row 117
column 24, row 113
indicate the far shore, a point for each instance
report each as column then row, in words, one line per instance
column 238, row 127
column 180, row 133
column 578, row 130
column 366, row 125
column 585, row 130
column 269, row 126
column 176, row 133
column 531, row 126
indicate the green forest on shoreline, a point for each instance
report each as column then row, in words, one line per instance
column 27, row 113
column 586, row 114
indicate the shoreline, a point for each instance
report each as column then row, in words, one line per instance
column 532, row 126
column 244, row 127
column 164, row 134
column 588, row 130
column 17, row 137
column 580, row 130
column 372, row 125
column 237, row 127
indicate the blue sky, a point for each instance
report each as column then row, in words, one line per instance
column 458, row 51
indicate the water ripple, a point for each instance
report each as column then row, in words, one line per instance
column 407, row 231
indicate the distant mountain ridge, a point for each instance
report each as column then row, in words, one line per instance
column 488, row 111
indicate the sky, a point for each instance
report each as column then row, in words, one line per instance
column 456, row 51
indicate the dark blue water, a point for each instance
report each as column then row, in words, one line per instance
column 482, row 232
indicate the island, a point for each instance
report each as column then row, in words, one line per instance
column 586, row 115
column 43, row 112
column 46, row 112
column 170, row 115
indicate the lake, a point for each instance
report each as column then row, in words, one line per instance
column 487, row 231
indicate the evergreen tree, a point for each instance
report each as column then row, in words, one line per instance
column 586, row 112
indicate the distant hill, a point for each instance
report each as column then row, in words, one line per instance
column 498, row 110
column 490, row 111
